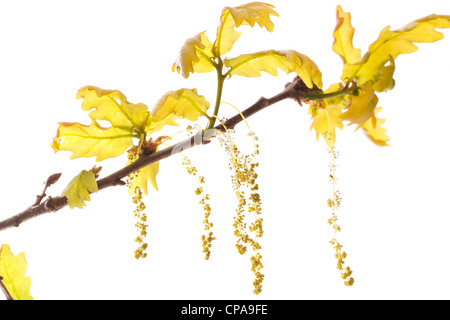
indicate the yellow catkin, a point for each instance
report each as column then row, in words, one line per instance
column 334, row 203
column 206, row 238
column 243, row 178
column 141, row 225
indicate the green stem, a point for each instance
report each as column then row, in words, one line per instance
column 322, row 96
column 220, row 81
column 141, row 141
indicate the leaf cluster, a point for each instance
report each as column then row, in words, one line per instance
column 370, row 74
column 199, row 54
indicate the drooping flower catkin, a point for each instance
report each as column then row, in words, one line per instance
column 206, row 238
column 334, row 203
column 141, row 225
column 243, row 178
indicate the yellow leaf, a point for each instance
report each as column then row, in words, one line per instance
column 184, row 103
column 127, row 121
column 374, row 131
column 195, row 56
column 92, row 140
column 361, row 107
column 77, row 191
column 234, row 17
column 390, row 44
column 143, row 176
column 325, row 122
column 13, row 269
column 385, row 80
column 326, row 116
column 251, row 65
column 343, row 38
column 112, row 106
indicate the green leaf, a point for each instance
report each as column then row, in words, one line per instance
column 77, row 191
column 234, row 17
column 13, row 269
column 251, row 65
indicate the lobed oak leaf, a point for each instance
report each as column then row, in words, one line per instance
column 390, row 44
column 142, row 178
column 361, row 107
column 251, row 65
column 195, row 56
column 112, row 106
column 154, row 126
column 12, row 270
column 343, row 38
column 234, row 17
column 327, row 116
column 182, row 103
column 127, row 121
column 92, row 140
column 385, row 80
column 78, row 190
column 374, row 131
column 325, row 122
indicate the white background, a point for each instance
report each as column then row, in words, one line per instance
column 395, row 214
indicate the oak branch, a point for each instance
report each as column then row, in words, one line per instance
column 296, row 90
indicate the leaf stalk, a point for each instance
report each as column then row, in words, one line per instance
column 220, row 81
column 322, row 96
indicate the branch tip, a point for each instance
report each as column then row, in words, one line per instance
column 53, row 179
